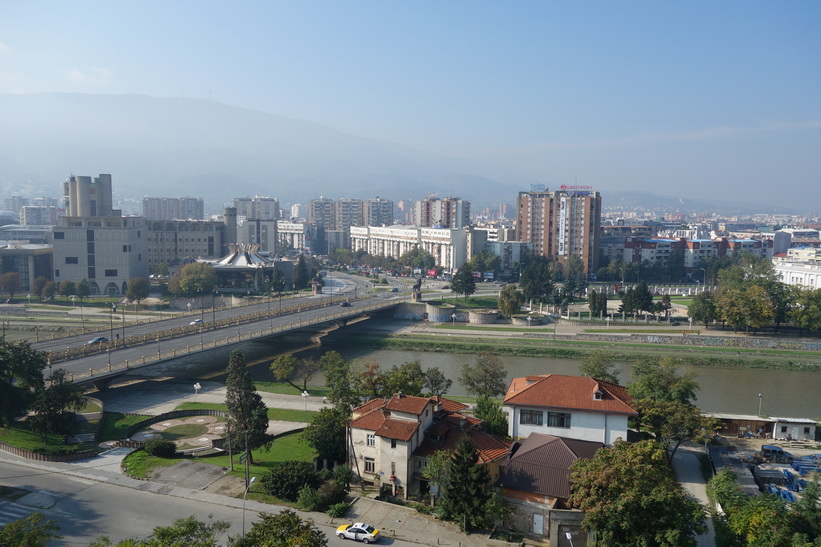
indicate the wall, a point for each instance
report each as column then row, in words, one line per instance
column 584, row 426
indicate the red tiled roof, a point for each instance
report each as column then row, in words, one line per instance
column 448, row 405
column 542, row 464
column 397, row 429
column 371, row 421
column 569, row 392
column 369, row 406
column 408, row 404
column 489, row 448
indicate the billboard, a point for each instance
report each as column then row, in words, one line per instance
column 561, row 248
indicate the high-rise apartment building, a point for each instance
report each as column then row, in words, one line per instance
column 322, row 212
column 14, row 203
column 378, row 212
column 348, row 212
column 561, row 223
column 181, row 208
column 257, row 207
column 33, row 215
column 298, row 211
column 449, row 212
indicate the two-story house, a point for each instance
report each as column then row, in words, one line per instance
column 575, row 407
column 389, row 440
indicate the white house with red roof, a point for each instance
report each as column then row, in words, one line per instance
column 574, row 407
column 389, row 440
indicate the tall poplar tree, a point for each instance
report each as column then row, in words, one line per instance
column 468, row 490
column 247, row 414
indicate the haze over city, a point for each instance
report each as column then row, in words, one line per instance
column 699, row 101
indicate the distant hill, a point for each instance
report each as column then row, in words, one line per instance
column 203, row 148
column 667, row 204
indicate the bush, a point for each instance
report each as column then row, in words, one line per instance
column 162, row 448
column 308, row 499
column 288, row 478
column 56, row 450
column 338, row 510
column 330, row 493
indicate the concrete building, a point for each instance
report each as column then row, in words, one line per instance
column 799, row 267
column 37, row 215
column 449, row 212
column 298, row 211
column 30, row 261
column 257, row 207
column 94, row 242
column 294, row 235
column 449, row 247
column 262, row 233
column 170, row 241
column 28, row 234
column 378, row 212
column 180, row 208
column 15, row 203
column 561, row 224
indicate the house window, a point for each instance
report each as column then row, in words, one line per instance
column 111, row 273
column 393, row 443
column 371, row 439
column 59, row 235
column 597, row 395
column 393, row 468
column 558, row 419
column 806, row 431
column 531, row 417
column 72, row 260
column 370, row 465
column 783, row 429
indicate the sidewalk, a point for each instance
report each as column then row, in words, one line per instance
column 688, row 472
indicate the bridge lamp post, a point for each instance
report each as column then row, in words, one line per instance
column 453, row 316
column 197, row 388
column 213, row 304
column 250, row 482
column 305, row 399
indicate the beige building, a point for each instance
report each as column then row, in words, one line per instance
column 172, row 240
column 449, row 247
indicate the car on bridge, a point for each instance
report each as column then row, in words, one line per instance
column 196, row 322
column 97, row 340
column 345, row 305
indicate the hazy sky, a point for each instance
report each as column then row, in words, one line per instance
column 683, row 98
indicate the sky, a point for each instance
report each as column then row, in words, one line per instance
column 692, row 99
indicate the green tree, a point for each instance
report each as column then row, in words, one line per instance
column 300, row 280
column 54, row 405
column 247, row 414
column 370, row 381
column 326, row 433
column 661, row 381
column 537, row 280
column 468, row 489
column 494, row 418
column 339, row 379
column 703, row 308
column 49, row 290
column 283, row 529
column 463, row 282
column 406, row 378
column 437, row 471
column 673, row 422
column 67, row 288
column 630, row 497
column 197, row 278
column 160, row 269
column 288, row 478
column 10, row 282
column 597, row 303
column 31, row 531
column 21, row 378
column 486, row 377
column 137, row 289
column 83, row 289
column 486, row 262
column 436, row 383
column 278, row 282
column 806, row 311
column 184, row 532
column 417, row 258
column 600, row 364
column 38, row 286
column 284, row 368
column 760, row 309
column 574, row 276
column 510, row 301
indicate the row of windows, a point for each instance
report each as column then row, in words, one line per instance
column 536, row 417
column 372, row 440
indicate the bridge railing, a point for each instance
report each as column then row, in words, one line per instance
column 155, row 357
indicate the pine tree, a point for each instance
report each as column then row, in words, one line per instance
column 468, row 490
column 247, row 414
column 300, row 274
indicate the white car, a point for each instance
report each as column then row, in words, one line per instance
column 358, row 531
column 196, row 322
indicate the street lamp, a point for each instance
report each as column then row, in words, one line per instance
column 607, row 320
column 760, row 398
column 243, row 503
column 197, row 388
column 305, row 396
column 189, row 308
column 690, row 319
column 453, row 316
column 569, row 537
column 29, row 297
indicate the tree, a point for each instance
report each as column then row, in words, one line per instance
column 536, row 280
column 67, row 288
column 137, row 289
column 37, row 287
column 597, row 302
column 661, row 381
column 487, row 377
column 31, row 531
column 160, row 269
column 326, row 433
column 184, row 532
column 673, row 422
column 417, row 258
column 10, row 282
column 300, row 280
column 630, row 497
column 468, row 488
column 370, row 382
column 55, row 405
column 21, row 377
column 806, row 311
column 599, row 364
column 339, row 379
column 760, row 309
column 283, row 529
column 463, row 282
column 494, row 418
column 436, row 383
column 287, row 479
column 437, row 471
column 278, row 282
column 703, row 308
column 731, row 307
column 196, row 278
column 406, row 378
column 575, row 276
column 49, row 290
column 510, row 301
column 83, row 289
column 247, row 414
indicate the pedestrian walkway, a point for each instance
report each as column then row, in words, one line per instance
column 687, row 467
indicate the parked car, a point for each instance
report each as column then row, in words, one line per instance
column 196, row 322
column 358, row 531
column 773, row 453
column 345, row 305
column 394, row 289
column 97, row 340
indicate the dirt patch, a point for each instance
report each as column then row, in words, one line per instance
column 228, row 485
column 189, row 474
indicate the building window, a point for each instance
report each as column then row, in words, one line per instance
column 59, row 235
column 371, row 439
column 90, row 247
column 72, row 260
column 783, row 429
column 393, row 469
column 56, row 273
column 92, row 273
column 558, row 419
column 393, row 443
column 531, row 417
column 111, row 273
column 370, row 465
column 89, row 235
column 806, row 431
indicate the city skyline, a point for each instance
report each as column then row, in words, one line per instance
column 702, row 99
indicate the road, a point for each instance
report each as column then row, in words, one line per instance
column 86, row 509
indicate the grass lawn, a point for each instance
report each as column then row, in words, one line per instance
column 90, row 406
column 115, row 425
column 183, row 431
column 491, row 302
column 21, row 436
column 284, row 414
column 284, row 388
column 451, row 326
